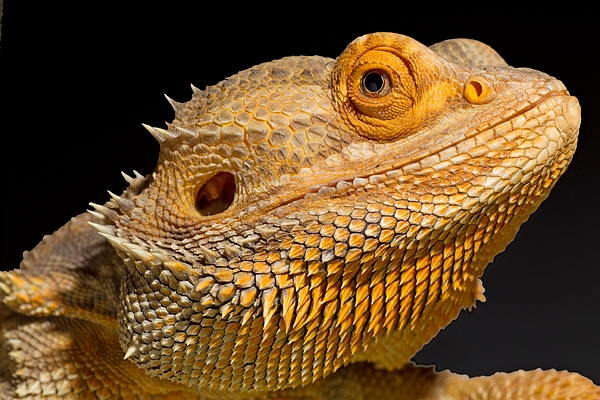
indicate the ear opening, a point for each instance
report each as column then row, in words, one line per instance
column 216, row 195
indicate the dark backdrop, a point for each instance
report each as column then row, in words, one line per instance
column 77, row 81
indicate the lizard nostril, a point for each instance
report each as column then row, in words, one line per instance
column 216, row 194
column 476, row 87
column 478, row 90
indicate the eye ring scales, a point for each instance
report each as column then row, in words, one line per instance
column 380, row 83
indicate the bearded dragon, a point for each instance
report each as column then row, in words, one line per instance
column 310, row 225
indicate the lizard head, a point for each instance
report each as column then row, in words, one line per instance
column 308, row 208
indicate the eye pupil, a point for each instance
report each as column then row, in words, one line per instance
column 373, row 82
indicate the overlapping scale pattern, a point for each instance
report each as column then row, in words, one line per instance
column 337, row 246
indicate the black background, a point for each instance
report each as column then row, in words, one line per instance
column 77, row 81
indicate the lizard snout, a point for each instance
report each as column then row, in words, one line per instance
column 572, row 112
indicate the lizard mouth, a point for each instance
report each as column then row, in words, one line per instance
column 556, row 100
column 571, row 113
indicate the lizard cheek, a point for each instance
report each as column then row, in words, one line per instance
column 478, row 90
column 216, row 194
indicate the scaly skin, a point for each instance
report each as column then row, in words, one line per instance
column 302, row 219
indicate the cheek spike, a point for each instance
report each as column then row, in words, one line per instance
column 162, row 135
column 177, row 106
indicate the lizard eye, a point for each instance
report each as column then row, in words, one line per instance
column 387, row 86
column 216, row 194
column 375, row 84
column 380, row 87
